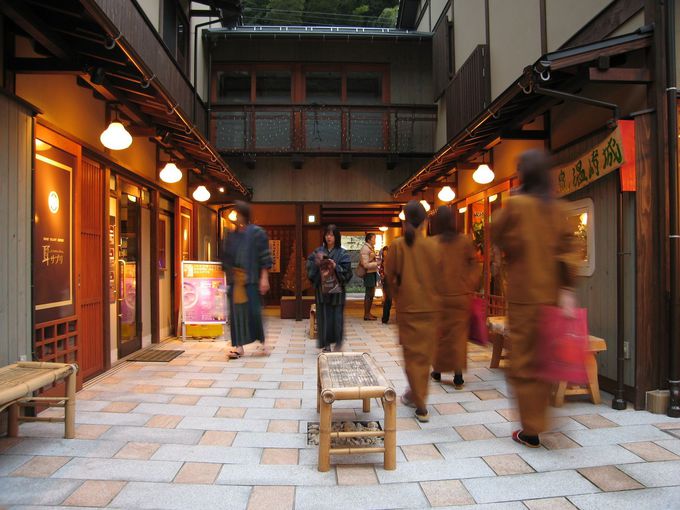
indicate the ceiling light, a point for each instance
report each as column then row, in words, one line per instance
column 116, row 137
column 462, row 210
column 201, row 194
column 132, row 198
column 384, row 229
column 483, row 174
column 233, row 216
column 402, row 216
column 221, row 189
column 446, row 194
column 425, row 205
column 170, row 173
column 493, row 198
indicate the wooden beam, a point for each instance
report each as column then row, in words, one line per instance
column 35, row 28
column 520, row 134
column 620, row 75
column 43, row 66
column 609, row 19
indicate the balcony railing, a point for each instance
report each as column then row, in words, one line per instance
column 469, row 92
column 324, row 129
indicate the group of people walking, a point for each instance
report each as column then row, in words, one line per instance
column 431, row 276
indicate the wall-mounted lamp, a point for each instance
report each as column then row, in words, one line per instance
column 493, row 198
column 462, row 210
column 384, row 229
column 201, row 194
column 116, row 137
column 402, row 216
column 170, row 173
column 446, row 194
column 233, row 216
column 311, row 218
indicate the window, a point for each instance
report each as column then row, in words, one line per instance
column 273, row 86
column 581, row 220
column 233, row 86
column 175, row 32
column 364, row 88
column 323, row 87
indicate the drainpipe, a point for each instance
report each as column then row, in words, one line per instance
column 619, row 400
column 674, row 215
column 200, row 25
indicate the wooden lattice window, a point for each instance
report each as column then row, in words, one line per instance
column 57, row 341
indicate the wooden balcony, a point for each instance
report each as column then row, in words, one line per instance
column 380, row 129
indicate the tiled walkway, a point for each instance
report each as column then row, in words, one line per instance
column 201, row 432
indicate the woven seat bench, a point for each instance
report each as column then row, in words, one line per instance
column 20, row 380
column 354, row 376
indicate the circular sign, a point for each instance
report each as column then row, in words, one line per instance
column 53, row 202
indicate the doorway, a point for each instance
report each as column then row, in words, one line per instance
column 129, row 265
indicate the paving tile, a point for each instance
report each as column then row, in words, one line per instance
column 655, row 474
column 100, row 418
column 474, row 432
column 229, row 424
column 594, row 421
column 446, row 492
column 672, row 445
column 557, row 441
column 8, row 442
column 41, row 467
column 434, row 470
column 137, row 451
column 310, row 456
column 119, row 469
column 651, row 452
column 231, row 412
column 279, row 456
column 241, row 393
column 270, row 440
column 272, row 497
column 511, row 464
column 291, row 385
column 176, row 410
column 668, row 426
column 232, row 474
column 421, row 452
column 119, row 407
column 480, row 448
column 197, row 473
column 631, row 417
column 427, row 436
column 9, row 463
column 95, row 493
column 609, row 478
column 264, row 403
column 451, row 408
column 286, row 426
column 459, row 419
column 188, row 400
column 364, row 497
column 248, row 377
column 208, row 453
column 180, row 496
column 91, row 431
column 67, row 447
column 356, row 475
column 35, row 491
column 530, row 486
column 488, row 394
column 151, row 435
column 287, row 403
column 617, row 435
column 576, row 458
column 164, row 422
column 200, row 383
column 549, row 504
column 628, row 500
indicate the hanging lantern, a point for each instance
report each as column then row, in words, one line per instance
column 446, row 194
column 201, row 194
column 402, row 216
column 483, row 174
column 425, row 205
column 116, row 137
column 170, row 173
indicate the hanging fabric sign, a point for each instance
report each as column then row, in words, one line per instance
column 604, row 158
column 275, row 249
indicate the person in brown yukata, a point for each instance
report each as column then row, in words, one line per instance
column 538, row 248
column 460, row 273
column 412, row 274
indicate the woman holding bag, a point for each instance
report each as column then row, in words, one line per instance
column 539, row 255
column 460, row 272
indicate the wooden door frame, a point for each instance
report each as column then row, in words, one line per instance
column 181, row 203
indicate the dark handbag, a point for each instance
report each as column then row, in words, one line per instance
column 329, row 280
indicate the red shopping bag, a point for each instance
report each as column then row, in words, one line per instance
column 479, row 334
column 562, row 344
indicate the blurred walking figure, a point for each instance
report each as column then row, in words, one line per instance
column 369, row 264
column 459, row 273
column 412, row 276
column 329, row 268
column 532, row 233
column 247, row 260
column 387, row 297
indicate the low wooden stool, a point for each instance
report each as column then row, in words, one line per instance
column 354, row 376
column 498, row 333
column 563, row 389
column 312, row 321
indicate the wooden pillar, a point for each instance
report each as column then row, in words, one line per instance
column 70, row 407
column 155, row 306
column 325, row 436
column 299, row 211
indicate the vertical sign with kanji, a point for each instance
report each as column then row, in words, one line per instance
column 275, row 249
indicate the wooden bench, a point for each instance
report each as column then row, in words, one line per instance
column 354, row 376
column 592, row 388
column 312, row 321
column 20, row 380
column 498, row 334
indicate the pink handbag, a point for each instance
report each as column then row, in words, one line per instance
column 562, row 345
column 479, row 333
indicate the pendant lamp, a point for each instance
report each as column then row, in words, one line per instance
column 483, row 174
column 201, row 194
column 116, row 137
column 383, row 229
column 425, row 205
column 170, row 173
column 446, row 194
column 402, row 216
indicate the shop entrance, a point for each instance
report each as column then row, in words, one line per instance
column 129, row 324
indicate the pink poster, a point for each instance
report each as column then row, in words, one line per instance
column 203, row 292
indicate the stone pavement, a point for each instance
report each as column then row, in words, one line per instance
column 203, row 432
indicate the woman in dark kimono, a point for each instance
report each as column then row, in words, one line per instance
column 246, row 259
column 329, row 260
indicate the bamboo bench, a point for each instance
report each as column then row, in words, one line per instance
column 498, row 334
column 592, row 388
column 354, row 376
column 20, row 380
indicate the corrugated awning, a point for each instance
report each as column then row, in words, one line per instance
column 519, row 104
